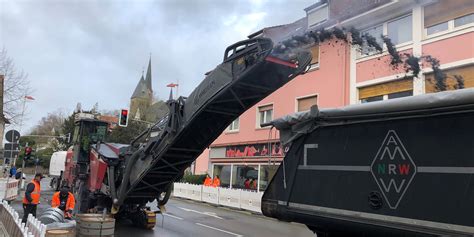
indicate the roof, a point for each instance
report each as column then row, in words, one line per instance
column 282, row 32
column 148, row 76
column 4, row 119
column 141, row 91
column 109, row 118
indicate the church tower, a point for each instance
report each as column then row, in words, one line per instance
column 142, row 97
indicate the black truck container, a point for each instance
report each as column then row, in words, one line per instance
column 402, row 167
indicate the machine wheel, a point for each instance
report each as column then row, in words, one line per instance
column 144, row 219
column 164, row 197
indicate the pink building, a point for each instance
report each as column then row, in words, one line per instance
column 247, row 156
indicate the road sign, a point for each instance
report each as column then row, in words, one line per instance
column 12, row 136
column 10, row 154
column 12, row 147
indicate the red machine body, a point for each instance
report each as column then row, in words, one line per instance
column 97, row 169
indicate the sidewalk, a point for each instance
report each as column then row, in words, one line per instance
column 45, row 201
column 3, row 232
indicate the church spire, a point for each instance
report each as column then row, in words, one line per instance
column 148, row 76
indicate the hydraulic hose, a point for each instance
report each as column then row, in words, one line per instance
column 111, row 177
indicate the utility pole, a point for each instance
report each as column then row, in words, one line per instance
column 22, row 182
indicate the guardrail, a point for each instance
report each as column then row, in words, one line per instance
column 13, row 227
column 237, row 198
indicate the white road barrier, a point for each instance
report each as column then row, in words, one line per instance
column 210, row 194
column 13, row 227
column 230, row 197
column 237, row 198
column 8, row 189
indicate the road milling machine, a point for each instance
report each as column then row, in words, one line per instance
column 123, row 178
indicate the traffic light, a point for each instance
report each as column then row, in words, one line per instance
column 123, row 119
column 28, row 151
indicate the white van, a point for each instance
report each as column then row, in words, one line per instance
column 56, row 168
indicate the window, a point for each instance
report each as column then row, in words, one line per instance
column 400, row 94
column 318, row 16
column 245, row 177
column 447, row 15
column 466, row 74
column 385, row 91
column 464, row 20
column 223, row 171
column 304, row 104
column 265, row 114
column 372, row 99
column 400, row 30
column 437, row 28
column 266, row 175
column 376, row 32
column 315, row 53
column 234, row 126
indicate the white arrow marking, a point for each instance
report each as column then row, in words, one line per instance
column 214, row 228
column 202, row 213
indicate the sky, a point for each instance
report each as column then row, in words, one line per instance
column 95, row 51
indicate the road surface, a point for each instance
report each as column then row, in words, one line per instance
column 189, row 218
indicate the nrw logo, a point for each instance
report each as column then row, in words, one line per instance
column 393, row 169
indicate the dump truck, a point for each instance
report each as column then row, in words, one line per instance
column 401, row 167
column 123, row 178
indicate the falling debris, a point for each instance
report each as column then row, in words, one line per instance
column 410, row 63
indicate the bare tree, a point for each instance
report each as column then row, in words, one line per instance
column 50, row 125
column 17, row 86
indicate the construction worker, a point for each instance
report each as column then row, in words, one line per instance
column 32, row 197
column 65, row 201
column 216, row 182
column 208, row 181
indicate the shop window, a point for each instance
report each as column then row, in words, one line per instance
column 265, row 114
column 384, row 91
column 266, row 175
column 376, row 32
column 304, row 104
column 447, row 15
column 400, row 31
column 223, row 171
column 245, row 177
column 234, row 126
column 453, row 76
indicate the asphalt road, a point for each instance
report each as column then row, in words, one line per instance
column 189, row 218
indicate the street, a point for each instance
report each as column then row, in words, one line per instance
column 190, row 218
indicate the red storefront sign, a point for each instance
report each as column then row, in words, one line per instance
column 255, row 150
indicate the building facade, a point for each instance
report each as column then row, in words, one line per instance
column 342, row 74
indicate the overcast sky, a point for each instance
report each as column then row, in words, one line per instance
column 95, row 51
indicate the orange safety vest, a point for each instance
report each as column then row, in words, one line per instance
column 35, row 195
column 55, row 202
column 216, row 182
column 208, row 182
